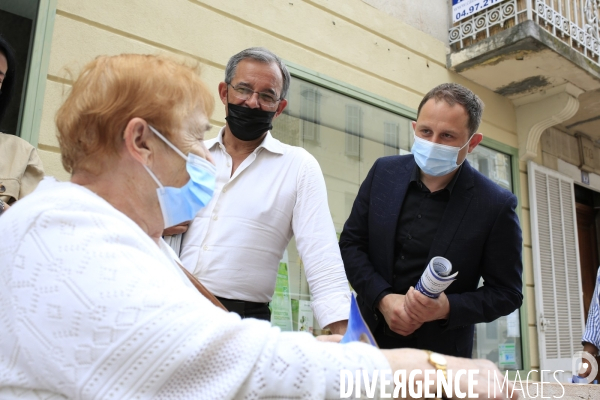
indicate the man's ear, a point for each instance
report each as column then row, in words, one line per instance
column 281, row 107
column 475, row 140
column 414, row 125
column 223, row 92
column 136, row 137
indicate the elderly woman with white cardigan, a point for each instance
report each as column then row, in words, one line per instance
column 93, row 304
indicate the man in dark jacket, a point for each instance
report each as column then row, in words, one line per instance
column 433, row 203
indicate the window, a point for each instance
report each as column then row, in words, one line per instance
column 391, row 138
column 498, row 341
column 353, row 130
column 493, row 164
column 331, row 126
column 310, row 114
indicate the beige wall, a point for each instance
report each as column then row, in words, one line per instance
column 344, row 39
column 432, row 16
column 348, row 40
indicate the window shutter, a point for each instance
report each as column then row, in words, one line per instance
column 558, row 300
column 391, row 138
column 310, row 115
column 353, row 130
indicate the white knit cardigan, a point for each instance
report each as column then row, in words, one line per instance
column 91, row 308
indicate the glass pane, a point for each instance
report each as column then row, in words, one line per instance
column 493, row 164
column 346, row 136
column 351, row 136
column 498, row 341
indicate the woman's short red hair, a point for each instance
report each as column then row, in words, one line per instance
column 111, row 90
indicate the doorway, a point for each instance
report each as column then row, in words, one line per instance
column 587, row 204
column 17, row 26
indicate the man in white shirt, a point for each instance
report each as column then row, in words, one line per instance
column 266, row 191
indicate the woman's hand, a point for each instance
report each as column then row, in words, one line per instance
column 482, row 381
column 329, row 338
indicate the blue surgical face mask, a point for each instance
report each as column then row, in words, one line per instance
column 435, row 159
column 182, row 204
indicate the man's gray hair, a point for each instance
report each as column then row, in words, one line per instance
column 262, row 55
column 453, row 93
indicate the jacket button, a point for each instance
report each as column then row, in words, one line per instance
column 2, row 189
column 375, row 316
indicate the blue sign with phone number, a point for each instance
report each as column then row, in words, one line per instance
column 463, row 8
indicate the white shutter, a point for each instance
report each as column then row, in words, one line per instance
column 558, row 300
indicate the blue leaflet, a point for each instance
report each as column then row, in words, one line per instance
column 358, row 331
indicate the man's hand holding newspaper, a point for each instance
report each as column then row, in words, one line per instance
column 405, row 314
column 428, row 302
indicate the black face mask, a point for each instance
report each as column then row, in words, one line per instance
column 248, row 123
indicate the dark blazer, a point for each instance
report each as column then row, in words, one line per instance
column 479, row 233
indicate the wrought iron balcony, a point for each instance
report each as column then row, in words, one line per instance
column 528, row 50
column 574, row 22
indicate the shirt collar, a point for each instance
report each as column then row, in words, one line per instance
column 269, row 143
column 416, row 177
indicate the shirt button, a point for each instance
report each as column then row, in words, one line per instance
column 224, row 190
column 402, row 257
column 215, row 217
column 2, row 189
column 229, row 164
column 419, row 216
column 409, row 237
column 205, row 248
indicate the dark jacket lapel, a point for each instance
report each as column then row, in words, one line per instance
column 399, row 175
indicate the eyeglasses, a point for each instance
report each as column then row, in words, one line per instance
column 266, row 100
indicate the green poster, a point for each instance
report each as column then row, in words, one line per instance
column 507, row 356
column 281, row 306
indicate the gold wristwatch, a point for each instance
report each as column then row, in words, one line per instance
column 439, row 362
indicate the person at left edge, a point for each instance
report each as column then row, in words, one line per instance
column 266, row 191
column 20, row 166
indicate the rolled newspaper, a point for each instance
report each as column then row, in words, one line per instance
column 436, row 277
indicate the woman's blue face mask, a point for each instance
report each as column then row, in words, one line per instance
column 182, row 204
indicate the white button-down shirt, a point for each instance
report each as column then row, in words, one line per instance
column 235, row 243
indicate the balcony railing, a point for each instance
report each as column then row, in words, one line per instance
column 574, row 22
